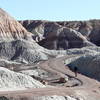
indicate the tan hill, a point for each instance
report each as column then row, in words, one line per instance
column 10, row 28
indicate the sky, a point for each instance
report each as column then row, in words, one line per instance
column 53, row 10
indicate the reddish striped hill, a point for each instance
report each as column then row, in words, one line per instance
column 10, row 28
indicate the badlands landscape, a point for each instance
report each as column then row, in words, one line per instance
column 38, row 59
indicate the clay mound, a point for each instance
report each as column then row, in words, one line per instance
column 88, row 65
column 20, row 50
column 10, row 80
column 10, row 28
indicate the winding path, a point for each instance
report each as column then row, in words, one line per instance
column 56, row 66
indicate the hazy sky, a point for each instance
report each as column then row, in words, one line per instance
column 53, row 10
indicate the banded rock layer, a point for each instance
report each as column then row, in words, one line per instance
column 10, row 28
column 52, row 35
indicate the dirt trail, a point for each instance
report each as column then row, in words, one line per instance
column 56, row 65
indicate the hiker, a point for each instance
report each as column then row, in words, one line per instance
column 75, row 70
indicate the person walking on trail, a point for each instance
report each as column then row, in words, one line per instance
column 76, row 71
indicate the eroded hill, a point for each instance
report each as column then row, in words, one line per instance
column 54, row 35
